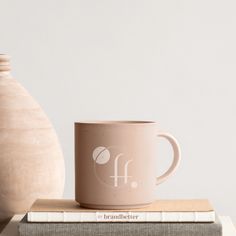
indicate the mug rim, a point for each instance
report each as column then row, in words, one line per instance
column 115, row 122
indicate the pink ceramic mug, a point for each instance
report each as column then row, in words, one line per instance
column 115, row 163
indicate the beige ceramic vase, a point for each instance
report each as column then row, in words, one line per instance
column 31, row 160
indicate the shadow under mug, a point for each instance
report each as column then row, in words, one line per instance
column 115, row 163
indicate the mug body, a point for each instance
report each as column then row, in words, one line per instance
column 115, row 164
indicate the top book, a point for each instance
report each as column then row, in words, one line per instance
column 63, row 210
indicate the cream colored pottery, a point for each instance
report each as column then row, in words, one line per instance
column 31, row 160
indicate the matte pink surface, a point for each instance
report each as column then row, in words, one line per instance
column 115, row 163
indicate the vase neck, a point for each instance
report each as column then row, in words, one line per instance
column 5, row 68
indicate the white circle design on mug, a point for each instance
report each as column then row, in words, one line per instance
column 101, row 155
column 104, row 156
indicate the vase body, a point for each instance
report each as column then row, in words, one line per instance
column 31, row 160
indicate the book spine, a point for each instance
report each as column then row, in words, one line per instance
column 120, row 229
column 121, row 216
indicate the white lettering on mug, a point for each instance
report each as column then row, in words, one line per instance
column 102, row 155
column 116, row 176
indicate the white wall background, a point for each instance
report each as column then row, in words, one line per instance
column 170, row 61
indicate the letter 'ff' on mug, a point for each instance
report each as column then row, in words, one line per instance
column 115, row 163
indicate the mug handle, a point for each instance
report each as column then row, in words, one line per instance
column 176, row 158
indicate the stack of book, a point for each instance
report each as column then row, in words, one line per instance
column 162, row 218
